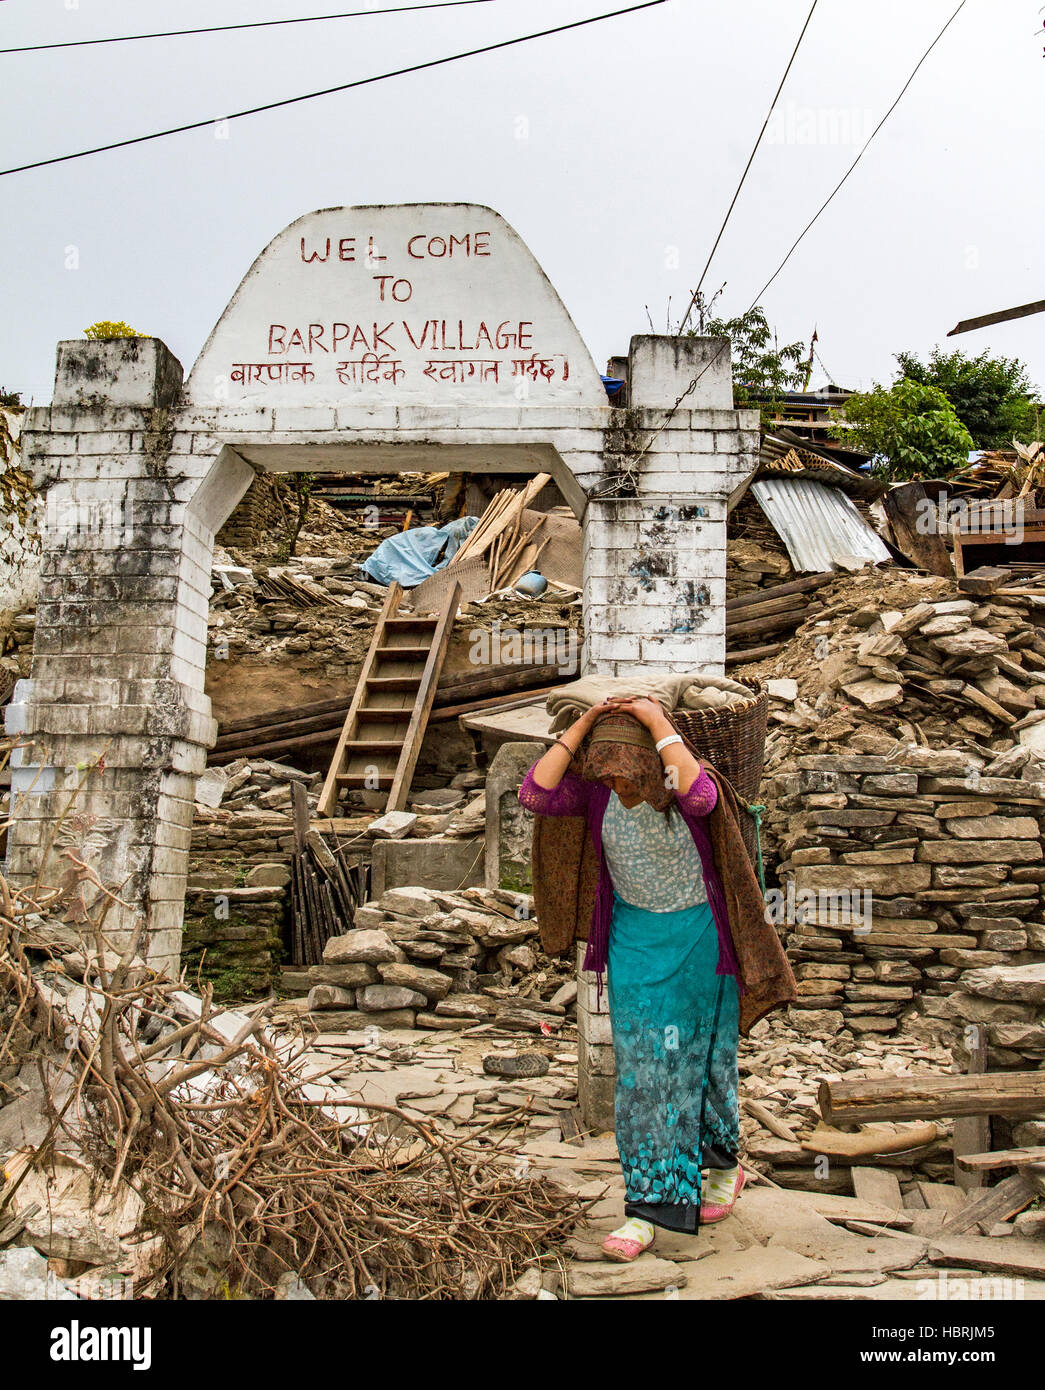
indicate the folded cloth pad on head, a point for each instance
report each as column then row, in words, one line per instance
column 688, row 691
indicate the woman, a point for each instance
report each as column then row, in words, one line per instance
column 661, row 923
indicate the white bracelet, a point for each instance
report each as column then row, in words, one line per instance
column 671, row 738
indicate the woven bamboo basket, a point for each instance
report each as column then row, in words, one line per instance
column 733, row 740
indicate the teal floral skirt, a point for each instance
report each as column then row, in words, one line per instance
column 675, row 1025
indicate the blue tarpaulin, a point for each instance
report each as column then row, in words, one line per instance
column 412, row 556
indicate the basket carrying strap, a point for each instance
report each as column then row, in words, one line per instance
column 755, row 809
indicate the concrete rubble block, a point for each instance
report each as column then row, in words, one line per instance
column 442, row 864
column 372, row 947
column 393, row 825
column 509, row 826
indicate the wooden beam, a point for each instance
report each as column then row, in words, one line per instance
column 930, row 1096
column 906, row 508
column 1000, row 1158
column 995, row 1204
column 972, row 1133
column 793, row 586
column 1021, row 311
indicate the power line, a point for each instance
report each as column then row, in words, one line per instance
column 329, row 91
column 830, row 197
column 255, row 24
column 630, row 467
column 747, row 166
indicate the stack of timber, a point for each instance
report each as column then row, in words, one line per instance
column 326, row 888
column 774, row 612
column 296, row 589
column 510, row 551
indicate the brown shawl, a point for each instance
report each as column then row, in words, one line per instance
column 566, row 875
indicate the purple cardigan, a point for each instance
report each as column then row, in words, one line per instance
column 574, row 796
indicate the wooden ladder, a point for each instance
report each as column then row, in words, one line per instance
column 381, row 737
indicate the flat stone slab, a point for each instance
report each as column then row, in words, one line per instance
column 607, row 1279
column 744, row 1273
column 527, row 723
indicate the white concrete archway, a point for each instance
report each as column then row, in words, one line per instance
column 479, row 365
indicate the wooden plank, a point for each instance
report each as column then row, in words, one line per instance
column 988, row 579
column 994, row 1204
column 423, row 703
column 1000, row 1158
column 769, row 1121
column 877, row 1185
column 905, row 507
column 956, row 547
column 742, row 658
column 972, row 1133
column 942, row 1196
column 329, row 795
column 929, row 1096
column 791, row 619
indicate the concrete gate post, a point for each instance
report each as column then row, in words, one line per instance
column 119, row 655
column 655, row 566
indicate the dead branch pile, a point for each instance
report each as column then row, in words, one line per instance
column 242, row 1166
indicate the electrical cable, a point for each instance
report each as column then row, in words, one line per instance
column 747, row 166
column 254, row 24
column 329, row 91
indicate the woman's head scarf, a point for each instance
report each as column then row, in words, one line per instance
column 619, row 746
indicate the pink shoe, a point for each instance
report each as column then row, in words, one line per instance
column 625, row 1248
column 710, row 1213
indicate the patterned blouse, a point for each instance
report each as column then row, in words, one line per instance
column 651, row 856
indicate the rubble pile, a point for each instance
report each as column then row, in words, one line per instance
column 900, row 657
column 779, row 1077
column 420, row 958
column 154, row 1145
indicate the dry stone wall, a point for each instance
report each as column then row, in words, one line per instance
column 910, row 898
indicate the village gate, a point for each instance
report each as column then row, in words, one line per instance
column 362, row 339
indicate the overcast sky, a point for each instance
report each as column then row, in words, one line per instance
column 613, row 151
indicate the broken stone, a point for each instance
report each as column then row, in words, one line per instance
column 393, row 825
column 373, row 947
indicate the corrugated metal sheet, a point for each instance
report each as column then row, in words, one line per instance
column 819, row 525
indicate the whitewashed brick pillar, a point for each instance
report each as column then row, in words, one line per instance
column 120, row 650
column 655, row 562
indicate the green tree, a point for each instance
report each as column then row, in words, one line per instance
column 910, row 430
column 107, row 328
column 10, row 400
column 993, row 397
column 763, row 370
